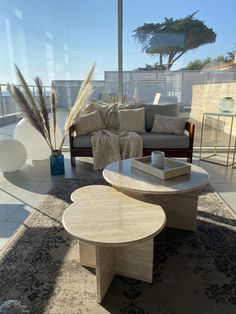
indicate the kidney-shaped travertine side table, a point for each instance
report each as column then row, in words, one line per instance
column 116, row 233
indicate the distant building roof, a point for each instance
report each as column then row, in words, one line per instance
column 224, row 66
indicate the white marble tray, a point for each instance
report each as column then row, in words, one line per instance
column 173, row 168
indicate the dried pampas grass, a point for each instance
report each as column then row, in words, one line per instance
column 84, row 93
column 36, row 111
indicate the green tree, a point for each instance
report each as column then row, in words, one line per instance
column 231, row 55
column 150, row 67
column 205, row 63
column 197, row 64
column 172, row 38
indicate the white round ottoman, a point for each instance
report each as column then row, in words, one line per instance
column 13, row 155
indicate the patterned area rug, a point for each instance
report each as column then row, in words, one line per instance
column 194, row 272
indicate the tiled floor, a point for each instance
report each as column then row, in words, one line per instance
column 22, row 191
column 6, row 131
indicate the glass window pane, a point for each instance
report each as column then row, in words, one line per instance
column 183, row 54
column 59, row 42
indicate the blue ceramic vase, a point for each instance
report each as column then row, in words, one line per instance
column 57, row 166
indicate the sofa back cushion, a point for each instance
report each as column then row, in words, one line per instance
column 151, row 110
column 88, row 123
column 132, row 120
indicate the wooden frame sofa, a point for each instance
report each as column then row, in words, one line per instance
column 172, row 145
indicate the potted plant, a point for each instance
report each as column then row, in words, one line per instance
column 36, row 112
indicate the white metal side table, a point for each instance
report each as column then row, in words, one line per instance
column 218, row 115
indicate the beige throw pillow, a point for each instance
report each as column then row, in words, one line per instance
column 108, row 112
column 88, row 123
column 169, row 125
column 132, row 120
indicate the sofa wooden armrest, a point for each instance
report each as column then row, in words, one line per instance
column 190, row 128
column 72, row 135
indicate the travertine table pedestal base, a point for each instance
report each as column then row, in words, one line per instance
column 135, row 261
column 180, row 209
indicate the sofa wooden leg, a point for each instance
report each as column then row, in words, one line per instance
column 190, row 159
column 72, row 161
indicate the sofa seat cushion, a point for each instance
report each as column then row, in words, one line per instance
column 82, row 141
column 152, row 140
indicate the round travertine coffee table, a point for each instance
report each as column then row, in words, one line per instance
column 116, row 233
column 177, row 196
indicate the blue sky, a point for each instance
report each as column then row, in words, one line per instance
column 61, row 39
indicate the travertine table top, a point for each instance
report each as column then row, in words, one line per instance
column 106, row 217
column 120, row 175
column 88, row 192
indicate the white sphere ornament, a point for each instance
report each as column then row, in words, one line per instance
column 13, row 155
column 35, row 144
